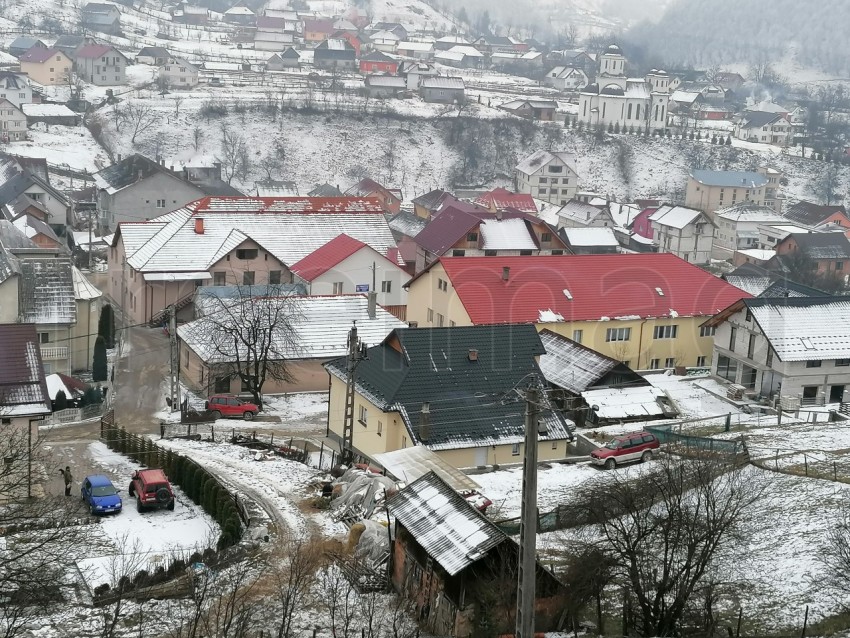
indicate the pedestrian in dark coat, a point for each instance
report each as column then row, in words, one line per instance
column 66, row 474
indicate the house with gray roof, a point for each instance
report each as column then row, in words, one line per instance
column 24, row 43
column 709, row 190
column 101, row 17
column 447, row 554
column 18, row 177
column 686, row 232
column 137, row 188
column 548, row 175
column 442, row 90
column 434, row 387
column 15, row 87
column 764, row 127
column 796, row 349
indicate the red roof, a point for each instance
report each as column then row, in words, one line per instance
column 586, row 287
column 39, row 54
column 319, row 26
column 93, row 51
column 334, row 252
column 235, row 203
column 501, row 198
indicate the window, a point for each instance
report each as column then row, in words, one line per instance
column 515, row 449
column 727, row 368
column 842, row 363
column 440, row 319
column 733, row 334
column 701, row 361
column 246, row 387
column 665, row 332
column 247, row 253
column 274, row 277
column 670, row 362
column 707, row 331
column 525, row 253
column 222, row 384
column 337, row 288
column 557, row 251
column 546, row 237
column 380, row 428
column 618, row 334
column 363, row 417
column 160, row 203
column 386, row 286
column 472, row 237
column 248, row 278
column 44, row 337
column 654, row 364
column 748, row 377
column 578, row 335
column 543, row 180
column 839, row 265
column 554, row 445
column 556, row 169
column 489, row 253
column 769, row 357
column 458, row 253
column 219, row 278
column 814, row 364
column 749, row 316
column 452, row 324
column 544, row 191
column 431, row 315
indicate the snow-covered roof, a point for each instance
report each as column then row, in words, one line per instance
column 472, row 52
column 506, row 234
column 571, row 366
column 729, row 179
column 23, row 390
column 47, row 291
column 591, row 237
column 752, row 285
column 407, row 45
column 443, row 83
column 47, row 110
column 675, row 216
column 241, row 11
column 625, row 403
column 579, row 211
column 804, row 329
column 408, row 464
column 685, row 97
column 749, row 212
column 637, row 89
column 84, row 290
column 320, row 325
column 289, row 228
column 541, row 158
column 384, row 35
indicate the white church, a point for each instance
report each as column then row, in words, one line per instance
column 615, row 99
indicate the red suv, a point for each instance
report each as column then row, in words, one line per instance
column 637, row 446
column 151, row 489
column 227, row 405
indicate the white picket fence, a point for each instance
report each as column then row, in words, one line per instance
column 74, row 415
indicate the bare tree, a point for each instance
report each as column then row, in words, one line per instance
column 140, row 117
column 234, row 156
column 827, row 183
column 252, row 338
column 270, row 164
column 122, row 568
column 197, row 136
column 294, row 578
column 663, row 532
column 177, row 101
column 341, row 601
column 834, row 556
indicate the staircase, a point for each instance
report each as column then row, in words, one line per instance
column 159, row 318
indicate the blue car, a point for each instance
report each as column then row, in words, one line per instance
column 100, row 494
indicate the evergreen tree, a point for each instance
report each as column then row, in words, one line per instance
column 99, row 365
column 60, row 402
column 610, row 127
column 106, row 325
column 616, row 127
column 729, row 140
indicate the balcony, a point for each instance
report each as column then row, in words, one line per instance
column 54, row 353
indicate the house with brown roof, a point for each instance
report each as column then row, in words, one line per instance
column 318, row 30
column 461, row 231
column 390, row 198
column 503, row 199
column 24, row 400
column 811, row 214
column 101, row 65
column 827, row 253
column 46, row 66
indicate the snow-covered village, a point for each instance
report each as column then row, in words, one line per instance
column 438, row 318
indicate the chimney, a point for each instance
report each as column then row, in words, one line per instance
column 506, row 273
column 199, row 225
column 425, row 422
column 499, row 215
column 373, row 304
column 473, row 354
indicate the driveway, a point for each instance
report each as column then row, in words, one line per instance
column 139, row 376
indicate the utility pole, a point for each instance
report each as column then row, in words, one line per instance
column 175, row 358
column 356, row 354
column 528, row 521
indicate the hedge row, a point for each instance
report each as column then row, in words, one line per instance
column 196, row 482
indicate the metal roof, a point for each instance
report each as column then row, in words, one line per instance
column 455, row 84
column 47, row 292
column 23, row 389
column 410, row 463
column 570, row 365
column 729, row 179
column 675, row 216
column 449, row 529
column 541, row 158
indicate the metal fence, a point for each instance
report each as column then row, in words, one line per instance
column 691, row 445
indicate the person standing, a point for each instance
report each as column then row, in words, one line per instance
column 66, row 474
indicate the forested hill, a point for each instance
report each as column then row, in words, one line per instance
column 703, row 33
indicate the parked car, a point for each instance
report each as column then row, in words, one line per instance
column 151, row 489
column 100, row 495
column 637, row 446
column 229, row 406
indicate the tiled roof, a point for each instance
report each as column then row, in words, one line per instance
column 432, row 365
column 729, row 179
column 23, row 390
column 365, row 187
column 812, row 214
column 501, row 198
column 290, row 228
column 804, row 328
column 38, row 55
column 95, row 51
column 47, row 293
column 320, row 325
column 130, row 170
column 757, row 119
column 541, row 158
column 408, row 224
column 444, row 524
column 326, row 257
column 821, row 245
column 600, row 287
